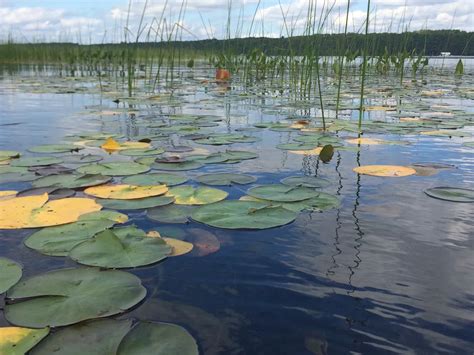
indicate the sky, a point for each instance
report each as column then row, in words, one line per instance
column 97, row 21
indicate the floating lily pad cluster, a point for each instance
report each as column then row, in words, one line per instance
column 178, row 169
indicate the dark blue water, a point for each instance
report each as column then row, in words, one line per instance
column 389, row 271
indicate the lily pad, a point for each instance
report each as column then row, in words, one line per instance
column 168, row 179
column 178, row 247
column 223, row 179
column 126, row 192
column 107, row 215
column 5, row 194
column 10, row 274
column 113, row 249
column 50, row 170
column 17, row 177
column 9, row 154
column 188, row 195
column 243, row 215
column 322, row 202
column 296, row 146
column 53, row 192
column 69, row 296
column 306, row 181
column 81, row 159
column 55, row 148
column 136, row 204
column 454, row 194
column 142, row 152
column 36, row 161
column 18, row 341
column 111, row 145
column 114, row 169
column 98, row 337
column 168, row 214
column 71, row 181
column 37, row 211
column 58, row 241
column 181, row 166
column 385, row 170
column 158, row 339
column 282, row 193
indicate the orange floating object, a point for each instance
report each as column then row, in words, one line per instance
column 222, row 74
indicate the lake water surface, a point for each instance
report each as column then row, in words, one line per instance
column 390, row 270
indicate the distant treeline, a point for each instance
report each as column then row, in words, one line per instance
column 427, row 42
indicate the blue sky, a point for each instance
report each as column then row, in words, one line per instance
column 97, row 20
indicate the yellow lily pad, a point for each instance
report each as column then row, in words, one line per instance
column 111, row 145
column 37, row 211
column 4, row 195
column 385, row 170
column 178, row 247
column 314, row 151
column 17, row 340
column 126, row 192
column 365, row 141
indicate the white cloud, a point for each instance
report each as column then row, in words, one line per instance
column 207, row 18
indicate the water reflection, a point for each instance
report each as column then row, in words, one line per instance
column 389, row 270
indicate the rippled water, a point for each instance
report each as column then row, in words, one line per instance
column 390, row 270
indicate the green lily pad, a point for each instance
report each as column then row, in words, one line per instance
column 81, row 159
column 168, row 179
column 59, row 240
column 313, row 139
column 213, row 158
column 113, row 249
column 68, row 296
column 322, row 202
column 55, row 148
column 306, row 181
column 17, row 177
column 136, row 204
column 181, row 166
column 71, row 181
column 104, row 215
column 213, row 141
column 282, row 193
column 223, row 179
column 158, row 339
column 168, row 214
column 142, row 152
column 98, row 337
column 114, row 169
column 18, row 341
column 7, row 169
column 188, row 195
column 10, row 273
column 243, row 215
column 454, row 194
column 239, row 155
column 36, row 161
